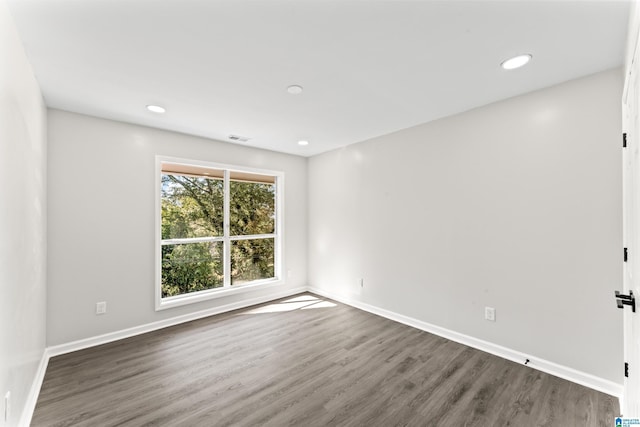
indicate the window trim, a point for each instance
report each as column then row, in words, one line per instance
column 226, row 289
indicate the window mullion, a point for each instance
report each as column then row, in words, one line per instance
column 190, row 240
column 252, row 237
column 226, row 230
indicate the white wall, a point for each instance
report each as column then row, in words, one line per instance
column 22, row 221
column 515, row 205
column 101, row 221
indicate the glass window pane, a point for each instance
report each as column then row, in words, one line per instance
column 252, row 260
column 192, row 206
column 252, row 208
column 191, row 267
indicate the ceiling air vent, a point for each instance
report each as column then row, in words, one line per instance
column 238, row 138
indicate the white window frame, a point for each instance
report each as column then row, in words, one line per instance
column 226, row 290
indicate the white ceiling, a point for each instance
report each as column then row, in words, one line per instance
column 368, row 68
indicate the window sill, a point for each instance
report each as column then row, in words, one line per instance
column 180, row 300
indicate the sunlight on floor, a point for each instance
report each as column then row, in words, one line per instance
column 302, row 302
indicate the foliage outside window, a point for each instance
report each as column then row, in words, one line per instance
column 219, row 229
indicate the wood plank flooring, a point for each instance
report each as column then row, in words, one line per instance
column 305, row 361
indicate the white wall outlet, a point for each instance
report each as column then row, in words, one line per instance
column 101, row 307
column 289, row 274
column 361, row 283
column 7, row 406
column 490, row 314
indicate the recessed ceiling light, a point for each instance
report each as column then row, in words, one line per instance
column 516, row 62
column 303, row 142
column 294, row 89
column 156, row 109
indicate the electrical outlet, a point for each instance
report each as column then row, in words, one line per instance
column 7, row 406
column 361, row 283
column 289, row 274
column 490, row 314
column 101, row 307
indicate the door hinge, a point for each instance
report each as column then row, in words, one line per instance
column 626, row 254
column 624, row 140
column 626, row 369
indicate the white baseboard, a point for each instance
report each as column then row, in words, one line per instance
column 564, row 372
column 57, row 350
column 570, row 374
column 34, row 391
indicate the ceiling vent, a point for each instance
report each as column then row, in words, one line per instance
column 238, row 138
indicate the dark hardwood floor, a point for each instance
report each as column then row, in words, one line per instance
column 305, row 361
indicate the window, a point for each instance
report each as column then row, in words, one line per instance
column 218, row 232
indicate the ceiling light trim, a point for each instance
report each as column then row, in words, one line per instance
column 295, row 89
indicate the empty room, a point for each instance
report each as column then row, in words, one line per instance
column 319, row 213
